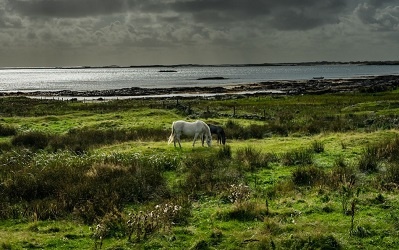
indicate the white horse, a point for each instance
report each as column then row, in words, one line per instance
column 198, row 129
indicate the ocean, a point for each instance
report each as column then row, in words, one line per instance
column 86, row 79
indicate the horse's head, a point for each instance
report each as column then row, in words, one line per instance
column 209, row 140
column 207, row 131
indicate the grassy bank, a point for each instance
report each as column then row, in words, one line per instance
column 298, row 172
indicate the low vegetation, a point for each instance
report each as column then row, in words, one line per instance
column 297, row 172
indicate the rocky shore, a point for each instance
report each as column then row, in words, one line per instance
column 313, row 86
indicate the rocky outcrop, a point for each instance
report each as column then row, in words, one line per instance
column 313, row 86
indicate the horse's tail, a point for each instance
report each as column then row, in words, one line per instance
column 172, row 134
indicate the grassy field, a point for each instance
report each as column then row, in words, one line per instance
column 297, row 172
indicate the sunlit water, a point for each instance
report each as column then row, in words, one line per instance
column 82, row 79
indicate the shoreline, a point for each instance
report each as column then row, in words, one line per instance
column 368, row 84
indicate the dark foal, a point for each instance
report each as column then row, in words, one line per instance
column 217, row 130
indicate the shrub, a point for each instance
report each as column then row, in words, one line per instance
column 392, row 174
column 318, row 147
column 54, row 185
column 144, row 223
column 369, row 161
column 308, row 176
column 341, row 173
column 235, row 131
column 208, row 175
column 315, row 242
column 7, row 130
column 224, row 152
column 82, row 139
column 252, row 158
column 297, row 157
column 34, row 139
column 238, row 194
column 256, row 131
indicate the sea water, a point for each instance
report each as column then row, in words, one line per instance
column 83, row 79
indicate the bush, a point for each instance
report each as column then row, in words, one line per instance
column 54, row 185
column 308, row 176
column 315, row 242
column 209, row 175
column 224, row 152
column 34, row 139
column 369, row 162
column 81, row 140
column 7, row 130
column 252, row 158
column 318, row 147
column 297, row 157
column 341, row 173
column 392, row 174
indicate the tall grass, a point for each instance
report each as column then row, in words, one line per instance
column 55, row 185
column 297, row 157
column 83, row 139
column 252, row 159
column 6, row 130
column 209, row 175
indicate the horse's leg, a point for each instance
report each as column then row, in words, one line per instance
column 203, row 137
column 174, row 139
column 195, row 138
column 178, row 139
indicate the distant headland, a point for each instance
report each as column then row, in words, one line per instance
column 172, row 67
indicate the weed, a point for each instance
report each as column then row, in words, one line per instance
column 239, row 193
column 392, row 174
column 224, row 152
column 318, row 147
column 368, row 162
column 313, row 242
column 252, row 158
column 34, row 139
column 7, row 130
column 145, row 223
column 297, row 157
column 308, row 176
column 208, row 175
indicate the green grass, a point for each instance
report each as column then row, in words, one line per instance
column 56, row 198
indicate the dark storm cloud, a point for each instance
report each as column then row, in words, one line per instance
column 7, row 21
column 101, row 32
column 69, row 8
column 380, row 15
column 282, row 14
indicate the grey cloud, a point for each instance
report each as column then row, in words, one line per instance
column 9, row 21
column 380, row 15
column 69, row 8
column 282, row 14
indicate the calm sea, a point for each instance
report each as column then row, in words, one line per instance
column 81, row 79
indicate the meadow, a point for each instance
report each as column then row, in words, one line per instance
column 297, row 172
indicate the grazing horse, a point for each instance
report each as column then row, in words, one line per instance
column 221, row 136
column 197, row 128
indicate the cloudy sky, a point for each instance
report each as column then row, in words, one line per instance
column 137, row 32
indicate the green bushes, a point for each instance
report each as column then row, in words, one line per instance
column 33, row 139
column 308, row 176
column 208, row 175
column 7, row 130
column 83, row 139
column 251, row 159
column 297, row 157
column 56, row 185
